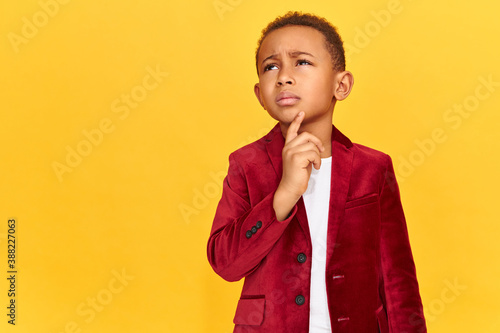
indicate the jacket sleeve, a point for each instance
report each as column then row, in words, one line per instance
column 242, row 233
column 401, row 292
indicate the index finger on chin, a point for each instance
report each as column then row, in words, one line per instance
column 293, row 129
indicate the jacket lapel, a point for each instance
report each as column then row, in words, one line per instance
column 274, row 145
column 342, row 158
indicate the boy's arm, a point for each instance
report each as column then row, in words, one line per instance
column 242, row 235
column 403, row 303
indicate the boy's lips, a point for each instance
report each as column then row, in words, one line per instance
column 286, row 98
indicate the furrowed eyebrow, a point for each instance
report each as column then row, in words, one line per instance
column 270, row 57
column 294, row 54
column 297, row 54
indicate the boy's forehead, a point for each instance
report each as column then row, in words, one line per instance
column 292, row 38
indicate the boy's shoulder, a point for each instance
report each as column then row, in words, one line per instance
column 361, row 153
column 369, row 153
column 258, row 147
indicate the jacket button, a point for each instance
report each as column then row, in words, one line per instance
column 259, row 224
column 301, row 258
column 254, row 230
column 248, row 234
column 300, row 300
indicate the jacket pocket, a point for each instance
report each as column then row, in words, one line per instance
column 383, row 325
column 367, row 199
column 250, row 311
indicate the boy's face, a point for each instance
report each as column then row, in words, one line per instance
column 296, row 74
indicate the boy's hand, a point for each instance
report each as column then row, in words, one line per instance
column 300, row 153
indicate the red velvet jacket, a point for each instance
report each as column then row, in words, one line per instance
column 370, row 273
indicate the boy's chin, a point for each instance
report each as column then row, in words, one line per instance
column 285, row 117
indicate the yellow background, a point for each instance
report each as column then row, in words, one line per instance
column 141, row 202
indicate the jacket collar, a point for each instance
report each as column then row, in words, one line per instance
column 275, row 143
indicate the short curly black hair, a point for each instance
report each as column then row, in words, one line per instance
column 333, row 42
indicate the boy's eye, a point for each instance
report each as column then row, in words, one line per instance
column 303, row 62
column 269, row 67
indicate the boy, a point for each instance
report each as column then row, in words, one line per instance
column 313, row 222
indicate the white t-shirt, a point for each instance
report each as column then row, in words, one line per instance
column 317, row 202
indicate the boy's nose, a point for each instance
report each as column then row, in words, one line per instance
column 285, row 77
column 283, row 82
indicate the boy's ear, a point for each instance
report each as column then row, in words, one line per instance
column 345, row 81
column 256, row 90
